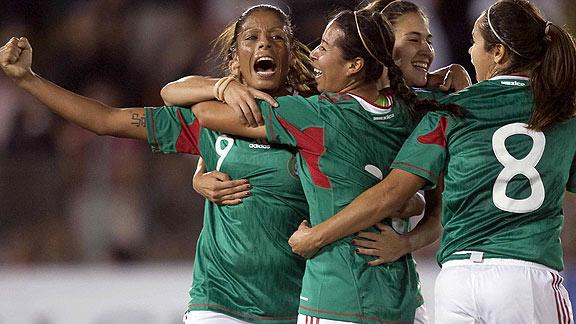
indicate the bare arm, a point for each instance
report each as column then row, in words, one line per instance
column 221, row 117
column 453, row 77
column 194, row 89
column 383, row 200
column 413, row 207
column 16, row 61
column 218, row 187
column 389, row 246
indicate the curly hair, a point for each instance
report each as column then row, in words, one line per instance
column 300, row 77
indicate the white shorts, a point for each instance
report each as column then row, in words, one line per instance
column 493, row 291
column 209, row 317
column 420, row 315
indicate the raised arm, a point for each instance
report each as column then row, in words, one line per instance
column 453, row 77
column 221, row 117
column 16, row 62
column 385, row 199
column 194, row 89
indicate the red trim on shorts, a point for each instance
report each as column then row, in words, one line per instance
column 218, row 307
column 562, row 311
column 344, row 314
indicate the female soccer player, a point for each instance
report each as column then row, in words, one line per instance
column 414, row 50
column 346, row 138
column 244, row 270
column 506, row 169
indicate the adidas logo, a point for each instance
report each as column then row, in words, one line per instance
column 389, row 116
column 259, row 146
column 513, row 83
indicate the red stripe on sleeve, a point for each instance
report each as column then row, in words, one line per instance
column 310, row 143
column 437, row 136
column 189, row 137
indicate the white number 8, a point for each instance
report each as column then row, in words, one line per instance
column 223, row 151
column 513, row 167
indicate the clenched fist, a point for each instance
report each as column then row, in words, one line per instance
column 16, row 58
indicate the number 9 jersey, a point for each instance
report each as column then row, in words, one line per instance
column 504, row 183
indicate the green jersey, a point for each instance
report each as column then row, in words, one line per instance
column 244, row 266
column 504, row 184
column 346, row 145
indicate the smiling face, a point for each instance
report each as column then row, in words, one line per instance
column 482, row 60
column 413, row 51
column 262, row 54
column 329, row 65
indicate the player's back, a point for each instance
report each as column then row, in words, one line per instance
column 504, row 183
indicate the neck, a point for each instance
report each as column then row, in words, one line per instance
column 369, row 90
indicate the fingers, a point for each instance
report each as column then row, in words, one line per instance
column 264, row 96
column 377, row 262
column 218, row 175
column 304, row 224
column 10, row 52
column 384, row 228
column 365, row 244
column 255, row 112
column 368, row 235
column 247, row 115
column 231, row 202
column 23, row 43
column 447, row 82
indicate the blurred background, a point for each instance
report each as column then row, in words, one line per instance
column 100, row 230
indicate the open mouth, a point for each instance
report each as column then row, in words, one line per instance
column 317, row 73
column 265, row 67
column 421, row 66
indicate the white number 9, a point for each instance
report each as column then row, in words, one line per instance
column 223, row 151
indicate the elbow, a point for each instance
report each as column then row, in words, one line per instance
column 201, row 112
column 165, row 93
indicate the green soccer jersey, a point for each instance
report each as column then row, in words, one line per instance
column 244, row 266
column 504, row 184
column 346, row 145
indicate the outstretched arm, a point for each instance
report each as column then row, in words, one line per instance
column 16, row 62
column 383, row 200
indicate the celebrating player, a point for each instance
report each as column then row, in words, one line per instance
column 244, row 270
column 506, row 169
column 346, row 137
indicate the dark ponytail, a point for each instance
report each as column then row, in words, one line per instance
column 540, row 47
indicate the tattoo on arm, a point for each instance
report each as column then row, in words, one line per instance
column 138, row 120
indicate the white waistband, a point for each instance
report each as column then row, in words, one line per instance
column 476, row 258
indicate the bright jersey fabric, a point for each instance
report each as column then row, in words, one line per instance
column 346, row 145
column 244, row 266
column 504, row 184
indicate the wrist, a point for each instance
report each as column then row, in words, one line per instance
column 220, row 86
column 26, row 80
column 318, row 238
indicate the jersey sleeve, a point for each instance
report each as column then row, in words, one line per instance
column 172, row 129
column 294, row 122
column 424, row 152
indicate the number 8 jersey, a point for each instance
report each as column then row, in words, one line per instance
column 504, row 183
